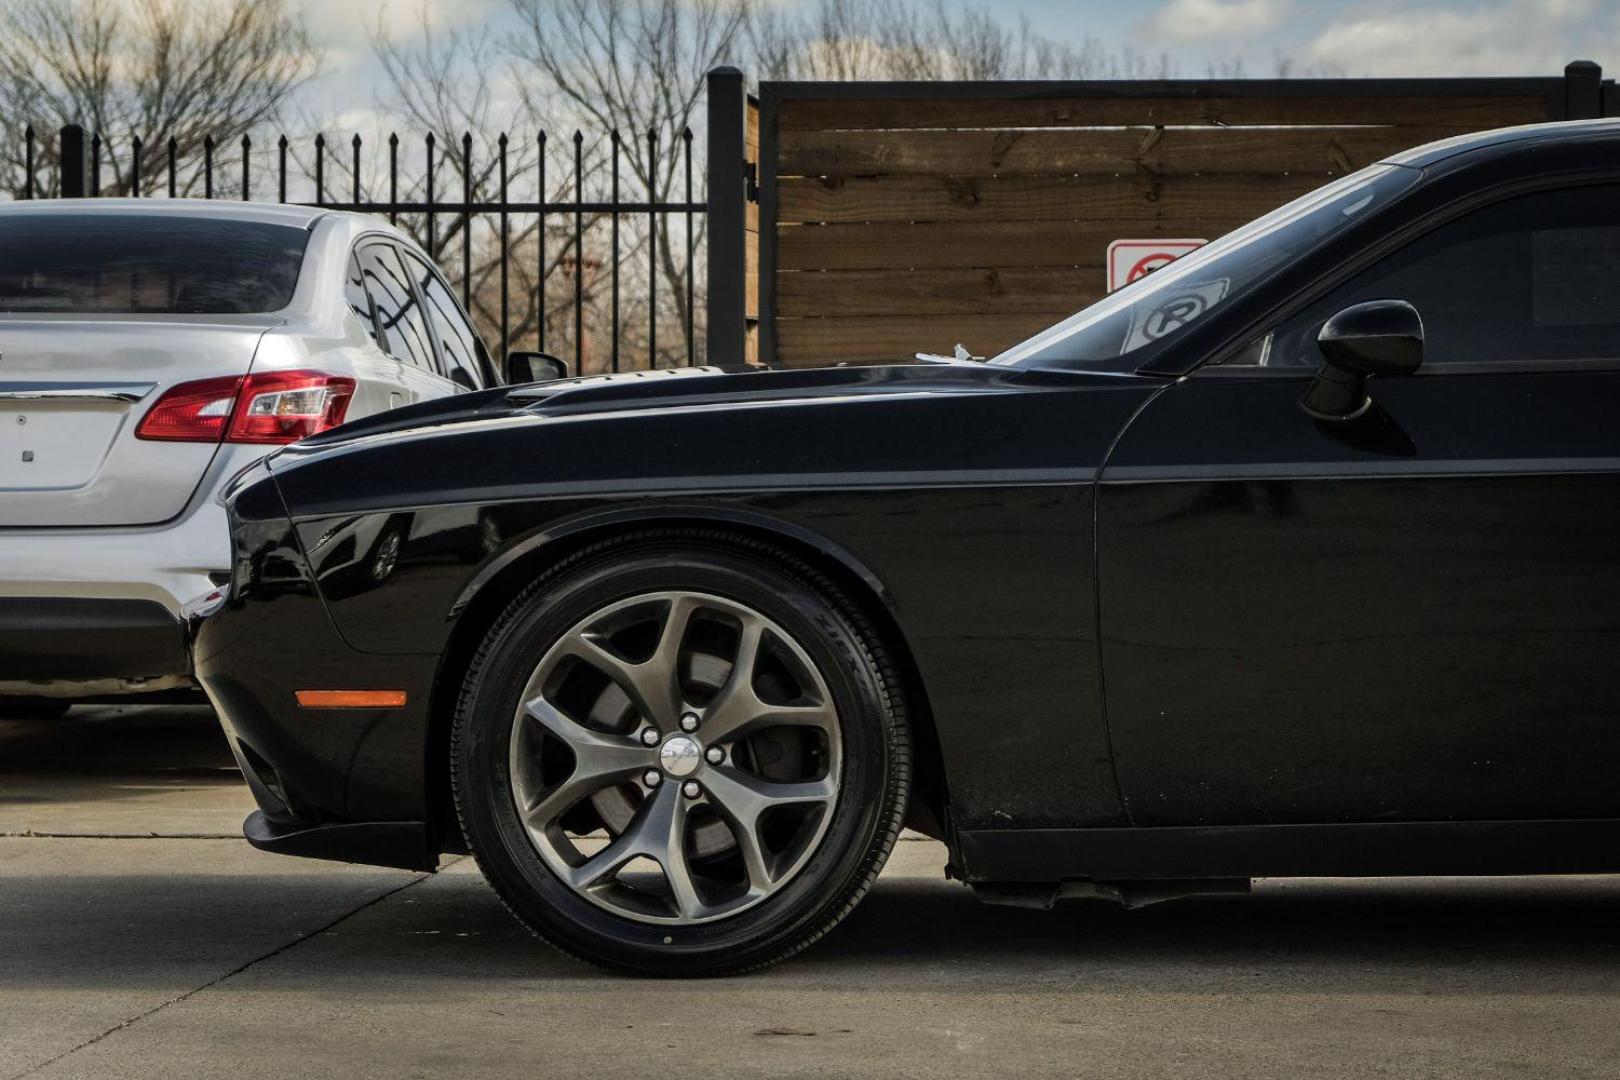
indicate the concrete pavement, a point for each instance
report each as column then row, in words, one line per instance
column 120, row 771
column 169, row 957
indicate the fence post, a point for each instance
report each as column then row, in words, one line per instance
column 728, row 253
column 1583, row 90
column 75, row 163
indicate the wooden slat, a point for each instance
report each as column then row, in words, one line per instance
column 751, row 275
column 1476, row 113
column 937, row 292
column 809, row 342
column 1321, row 151
column 751, row 153
column 1133, row 196
column 991, row 245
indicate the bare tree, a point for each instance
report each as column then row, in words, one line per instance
column 460, row 87
column 635, row 69
column 918, row 39
column 153, row 70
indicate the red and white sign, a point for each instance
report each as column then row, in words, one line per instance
column 1131, row 259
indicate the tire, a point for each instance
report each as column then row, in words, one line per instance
column 33, row 708
column 821, row 767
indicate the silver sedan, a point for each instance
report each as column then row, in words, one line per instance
column 149, row 350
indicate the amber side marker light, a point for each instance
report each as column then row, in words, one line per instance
column 351, row 699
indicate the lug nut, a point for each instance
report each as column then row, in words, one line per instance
column 689, row 722
column 652, row 777
column 691, row 790
column 649, row 737
column 714, row 755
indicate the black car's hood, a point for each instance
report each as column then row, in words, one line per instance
column 684, row 388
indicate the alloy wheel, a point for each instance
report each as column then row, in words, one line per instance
column 675, row 757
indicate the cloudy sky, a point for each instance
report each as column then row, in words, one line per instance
column 1357, row 37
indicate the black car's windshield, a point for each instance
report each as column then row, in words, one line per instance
column 146, row 263
column 1123, row 330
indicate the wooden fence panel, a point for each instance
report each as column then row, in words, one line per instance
column 1465, row 112
column 1135, row 196
column 1103, row 151
column 907, row 217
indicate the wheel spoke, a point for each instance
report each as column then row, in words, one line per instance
column 657, row 832
column 756, row 863
column 741, row 798
column 653, row 685
column 600, row 759
column 738, row 709
column 607, row 862
column 666, row 845
column 744, row 713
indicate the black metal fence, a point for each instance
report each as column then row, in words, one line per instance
column 562, row 231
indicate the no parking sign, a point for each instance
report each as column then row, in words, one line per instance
column 1131, row 259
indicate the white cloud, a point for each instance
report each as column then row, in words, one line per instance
column 1214, row 20
column 1510, row 37
column 346, row 26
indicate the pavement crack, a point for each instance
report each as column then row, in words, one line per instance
column 231, row 974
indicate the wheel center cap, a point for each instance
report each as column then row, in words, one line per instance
column 680, row 755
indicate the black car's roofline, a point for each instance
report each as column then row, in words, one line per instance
column 1507, row 139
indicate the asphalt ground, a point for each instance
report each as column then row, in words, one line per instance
column 139, row 936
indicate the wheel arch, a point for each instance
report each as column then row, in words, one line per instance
column 486, row 596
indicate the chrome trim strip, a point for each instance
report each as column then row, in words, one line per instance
column 126, row 392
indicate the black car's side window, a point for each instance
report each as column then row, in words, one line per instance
column 457, row 342
column 399, row 316
column 1533, row 278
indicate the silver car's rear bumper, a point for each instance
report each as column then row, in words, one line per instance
column 94, row 612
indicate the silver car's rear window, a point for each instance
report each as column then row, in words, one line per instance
column 103, row 263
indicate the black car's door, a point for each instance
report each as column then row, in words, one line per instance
column 1410, row 616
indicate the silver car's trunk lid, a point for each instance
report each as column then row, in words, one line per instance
column 73, row 390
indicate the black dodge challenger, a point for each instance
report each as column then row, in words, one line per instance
column 1298, row 557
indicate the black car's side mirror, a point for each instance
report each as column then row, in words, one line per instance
column 533, row 367
column 1379, row 337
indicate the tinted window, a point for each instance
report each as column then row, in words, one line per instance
column 1535, row 277
column 399, row 316
column 359, row 301
column 146, row 264
column 458, row 345
column 1133, row 325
